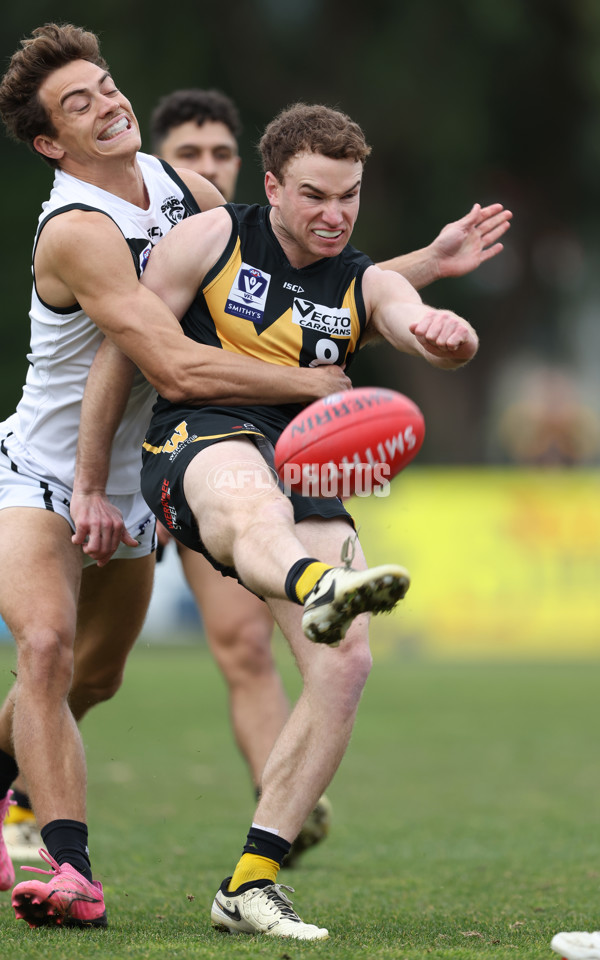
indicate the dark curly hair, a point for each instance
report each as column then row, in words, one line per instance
column 47, row 49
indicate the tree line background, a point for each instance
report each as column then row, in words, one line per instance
column 462, row 101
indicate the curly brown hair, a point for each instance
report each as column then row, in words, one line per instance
column 47, row 49
column 314, row 129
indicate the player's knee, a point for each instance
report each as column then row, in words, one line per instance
column 45, row 660
column 356, row 669
column 276, row 509
column 342, row 676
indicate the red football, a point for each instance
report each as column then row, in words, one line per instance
column 349, row 443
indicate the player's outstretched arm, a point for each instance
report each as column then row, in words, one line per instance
column 459, row 248
column 99, row 527
column 397, row 313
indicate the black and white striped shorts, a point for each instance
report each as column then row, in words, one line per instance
column 22, row 485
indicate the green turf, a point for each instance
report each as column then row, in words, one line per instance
column 467, row 816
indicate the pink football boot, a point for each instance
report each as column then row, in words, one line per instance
column 68, row 900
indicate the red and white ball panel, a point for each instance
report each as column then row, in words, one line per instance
column 349, row 442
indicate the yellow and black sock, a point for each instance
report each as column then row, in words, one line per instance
column 302, row 577
column 264, row 852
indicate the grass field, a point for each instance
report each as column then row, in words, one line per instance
column 467, row 816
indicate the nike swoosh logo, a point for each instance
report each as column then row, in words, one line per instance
column 76, row 896
column 232, row 914
column 324, row 598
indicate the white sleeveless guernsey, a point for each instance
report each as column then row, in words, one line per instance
column 64, row 341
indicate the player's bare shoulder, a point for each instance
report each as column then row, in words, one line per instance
column 70, row 241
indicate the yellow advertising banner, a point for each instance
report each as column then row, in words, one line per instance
column 505, row 563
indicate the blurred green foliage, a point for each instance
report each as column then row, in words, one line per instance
column 465, row 101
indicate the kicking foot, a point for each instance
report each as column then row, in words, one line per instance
column 342, row 593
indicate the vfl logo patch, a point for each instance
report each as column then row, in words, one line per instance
column 334, row 321
column 173, row 210
column 248, row 294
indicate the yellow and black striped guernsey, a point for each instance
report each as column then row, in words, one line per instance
column 253, row 302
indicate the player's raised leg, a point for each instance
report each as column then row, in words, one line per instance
column 237, row 529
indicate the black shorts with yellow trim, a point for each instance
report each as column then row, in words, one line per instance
column 177, row 435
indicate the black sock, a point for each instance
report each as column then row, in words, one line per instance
column 9, row 771
column 263, row 843
column 66, row 841
column 294, row 574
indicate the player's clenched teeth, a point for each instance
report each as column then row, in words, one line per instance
column 121, row 124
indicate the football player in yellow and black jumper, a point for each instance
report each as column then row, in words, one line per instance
column 282, row 282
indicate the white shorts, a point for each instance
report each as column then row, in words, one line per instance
column 21, row 485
